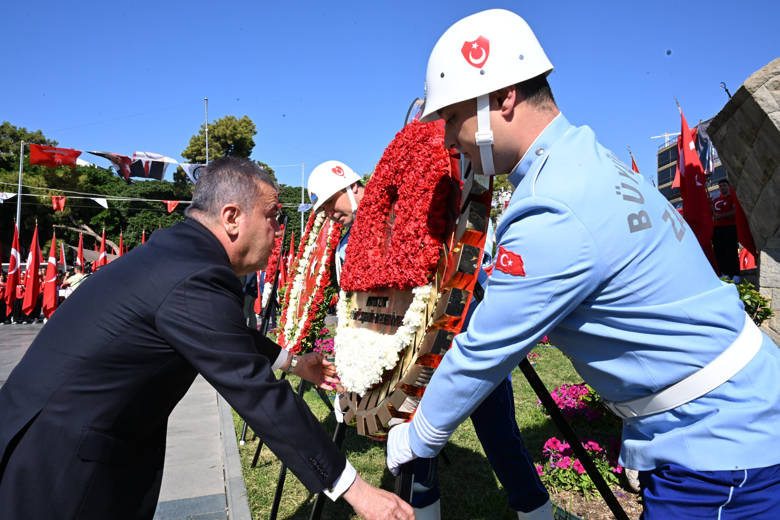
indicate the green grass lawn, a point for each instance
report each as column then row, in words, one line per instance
column 469, row 489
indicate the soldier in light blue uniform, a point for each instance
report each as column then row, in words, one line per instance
column 594, row 256
column 335, row 190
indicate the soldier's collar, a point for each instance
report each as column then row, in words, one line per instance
column 538, row 149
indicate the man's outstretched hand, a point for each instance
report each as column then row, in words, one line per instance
column 316, row 369
column 372, row 503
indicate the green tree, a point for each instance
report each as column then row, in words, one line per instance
column 228, row 137
column 10, row 136
column 290, row 198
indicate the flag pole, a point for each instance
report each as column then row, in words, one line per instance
column 19, row 190
column 303, row 181
column 206, row 100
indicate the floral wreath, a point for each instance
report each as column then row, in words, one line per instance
column 299, row 326
column 411, row 184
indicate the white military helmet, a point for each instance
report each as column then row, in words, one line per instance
column 480, row 54
column 329, row 178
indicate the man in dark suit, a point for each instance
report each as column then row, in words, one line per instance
column 83, row 415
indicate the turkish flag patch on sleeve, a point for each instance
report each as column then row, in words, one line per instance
column 509, row 262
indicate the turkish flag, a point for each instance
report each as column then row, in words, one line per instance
column 744, row 236
column 58, row 202
column 50, row 281
column 171, row 204
column 283, row 272
column 746, row 260
column 80, row 253
column 52, row 157
column 143, row 236
column 32, row 283
column 62, row 256
column 693, row 190
column 509, row 262
column 13, row 273
column 102, row 257
column 121, row 245
column 291, row 256
column 633, row 164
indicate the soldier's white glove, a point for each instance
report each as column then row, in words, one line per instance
column 398, row 450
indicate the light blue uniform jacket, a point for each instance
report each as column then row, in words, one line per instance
column 618, row 281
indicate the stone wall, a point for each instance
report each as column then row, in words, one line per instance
column 746, row 133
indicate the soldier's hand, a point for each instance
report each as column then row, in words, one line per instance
column 371, row 503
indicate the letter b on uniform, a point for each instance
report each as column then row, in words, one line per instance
column 639, row 221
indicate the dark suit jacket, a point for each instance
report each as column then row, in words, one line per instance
column 83, row 416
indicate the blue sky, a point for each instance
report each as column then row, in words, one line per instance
column 334, row 80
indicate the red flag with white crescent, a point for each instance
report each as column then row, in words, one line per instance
column 509, row 262
column 693, row 190
column 102, row 257
column 80, row 254
column 746, row 259
column 13, row 273
column 52, row 156
column 62, row 256
column 50, row 281
column 32, row 283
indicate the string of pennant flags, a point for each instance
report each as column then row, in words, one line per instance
column 145, row 165
column 58, row 201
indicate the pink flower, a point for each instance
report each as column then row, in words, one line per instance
column 617, row 469
column 539, row 470
column 552, row 445
column 564, row 463
column 578, row 467
column 593, row 446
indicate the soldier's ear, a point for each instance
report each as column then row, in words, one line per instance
column 505, row 100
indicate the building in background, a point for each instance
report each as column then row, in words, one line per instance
column 667, row 165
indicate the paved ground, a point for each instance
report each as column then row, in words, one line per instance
column 202, row 478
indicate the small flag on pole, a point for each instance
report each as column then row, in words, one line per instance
column 80, row 253
column 102, row 257
column 13, row 273
column 32, row 284
column 50, row 294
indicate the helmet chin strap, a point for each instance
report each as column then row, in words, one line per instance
column 484, row 136
column 352, row 200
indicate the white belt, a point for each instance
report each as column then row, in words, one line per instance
column 704, row 380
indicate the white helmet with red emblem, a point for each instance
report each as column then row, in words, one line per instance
column 480, row 54
column 329, row 178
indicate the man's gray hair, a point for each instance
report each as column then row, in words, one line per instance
column 228, row 180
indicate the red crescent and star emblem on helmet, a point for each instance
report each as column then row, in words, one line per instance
column 476, row 52
column 509, row 262
column 338, row 170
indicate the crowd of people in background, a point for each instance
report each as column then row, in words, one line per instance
column 67, row 282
